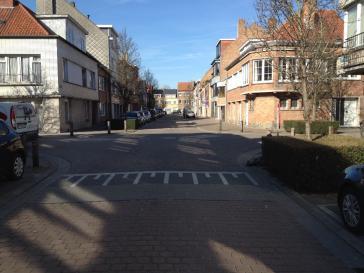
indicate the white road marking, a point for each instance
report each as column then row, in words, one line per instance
column 137, row 179
column 153, row 175
column 166, row 178
column 234, row 175
column 208, row 175
column 223, row 179
column 78, row 181
column 252, row 180
column 108, row 180
column 180, row 175
column 97, row 177
column 195, row 179
column 126, row 175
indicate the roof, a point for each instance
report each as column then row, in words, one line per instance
column 186, row 86
column 170, row 91
column 331, row 21
column 20, row 21
column 60, row 16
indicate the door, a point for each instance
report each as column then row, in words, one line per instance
column 351, row 118
column 247, row 113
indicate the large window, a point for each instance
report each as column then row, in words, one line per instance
column 288, row 68
column 263, row 71
column 245, row 74
column 102, row 83
column 18, row 70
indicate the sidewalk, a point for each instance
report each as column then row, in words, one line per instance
column 10, row 190
column 213, row 126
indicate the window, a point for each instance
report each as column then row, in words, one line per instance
column 2, row 69
column 92, row 82
column 245, row 74
column 294, row 103
column 217, row 69
column 65, row 70
column 25, row 69
column 251, row 105
column 288, row 69
column 37, row 70
column 102, row 109
column 283, row 104
column 102, row 83
column 263, row 70
column 84, row 77
column 13, row 69
column 218, row 51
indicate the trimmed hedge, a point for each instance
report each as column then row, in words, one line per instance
column 318, row 127
column 308, row 166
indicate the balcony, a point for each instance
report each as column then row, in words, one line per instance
column 353, row 60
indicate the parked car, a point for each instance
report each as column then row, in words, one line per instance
column 148, row 115
column 153, row 113
column 21, row 116
column 351, row 198
column 134, row 115
column 12, row 153
column 190, row 114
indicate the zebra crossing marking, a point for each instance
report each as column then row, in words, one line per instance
column 107, row 178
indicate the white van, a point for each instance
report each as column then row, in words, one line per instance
column 21, row 116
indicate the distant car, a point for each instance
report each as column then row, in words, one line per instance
column 190, row 114
column 153, row 113
column 148, row 115
column 12, row 153
column 351, row 198
column 21, row 116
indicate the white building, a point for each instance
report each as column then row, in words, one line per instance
column 44, row 60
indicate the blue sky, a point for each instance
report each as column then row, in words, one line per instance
column 176, row 39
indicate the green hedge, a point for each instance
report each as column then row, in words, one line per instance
column 317, row 127
column 308, row 166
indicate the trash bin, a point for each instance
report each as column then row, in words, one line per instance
column 132, row 124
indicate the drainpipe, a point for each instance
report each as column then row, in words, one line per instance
column 54, row 6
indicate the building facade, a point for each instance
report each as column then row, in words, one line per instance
column 185, row 95
column 171, row 100
column 41, row 62
column 349, row 108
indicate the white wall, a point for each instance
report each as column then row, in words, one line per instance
column 47, row 50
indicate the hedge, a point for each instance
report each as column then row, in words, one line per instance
column 319, row 127
column 308, row 166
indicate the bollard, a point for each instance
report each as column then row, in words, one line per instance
column 242, row 126
column 71, row 129
column 220, row 125
column 108, row 127
column 293, row 133
column 331, row 130
column 125, row 126
column 362, row 129
column 35, row 153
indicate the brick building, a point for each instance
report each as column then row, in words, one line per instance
column 185, row 95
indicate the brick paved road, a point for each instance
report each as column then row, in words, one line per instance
column 159, row 227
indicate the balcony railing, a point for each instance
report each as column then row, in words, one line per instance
column 352, row 59
column 354, row 42
column 20, row 79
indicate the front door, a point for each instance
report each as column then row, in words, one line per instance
column 351, row 118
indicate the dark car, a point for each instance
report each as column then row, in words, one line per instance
column 12, row 153
column 351, row 198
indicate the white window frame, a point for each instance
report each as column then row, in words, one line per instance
column 298, row 104
column 245, row 74
column 287, row 69
column 255, row 80
column 280, row 104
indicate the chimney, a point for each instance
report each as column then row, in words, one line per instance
column 6, row 3
column 73, row 4
column 241, row 27
column 309, row 8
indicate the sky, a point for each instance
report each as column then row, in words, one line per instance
column 176, row 39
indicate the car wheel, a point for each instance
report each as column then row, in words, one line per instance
column 17, row 168
column 352, row 210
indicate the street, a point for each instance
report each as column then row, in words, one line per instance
column 172, row 197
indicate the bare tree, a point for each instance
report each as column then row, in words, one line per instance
column 305, row 35
column 149, row 78
column 128, row 66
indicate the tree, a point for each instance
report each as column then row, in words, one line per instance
column 128, row 67
column 308, row 31
column 149, row 79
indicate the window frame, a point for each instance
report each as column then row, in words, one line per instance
column 262, row 68
column 245, row 74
